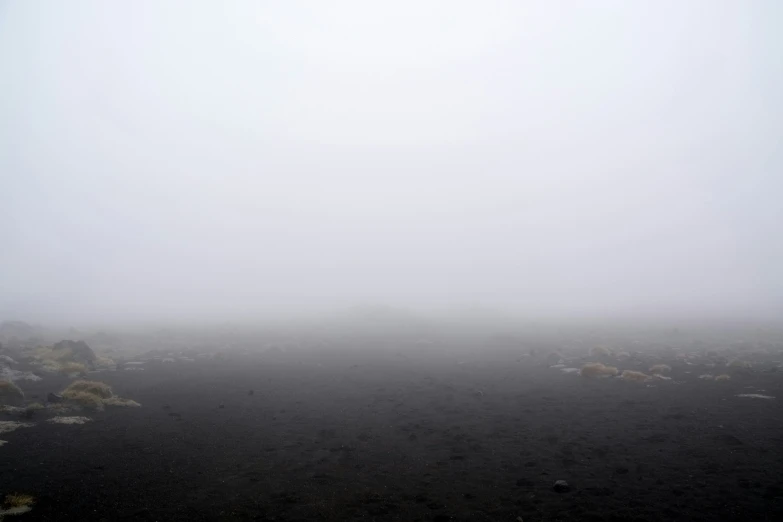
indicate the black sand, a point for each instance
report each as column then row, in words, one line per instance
column 397, row 437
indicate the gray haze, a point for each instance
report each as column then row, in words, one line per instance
column 236, row 159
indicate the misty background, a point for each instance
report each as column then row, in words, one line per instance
column 236, row 160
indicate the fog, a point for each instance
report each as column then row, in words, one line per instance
column 241, row 160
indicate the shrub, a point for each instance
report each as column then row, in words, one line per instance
column 597, row 370
column 660, row 368
column 723, row 377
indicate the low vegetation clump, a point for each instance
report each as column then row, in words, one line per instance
column 740, row 364
column 9, row 426
column 598, row 351
column 119, row 401
column 660, row 368
column 66, row 357
column 10, row 392
column 70, row 368
column 94, row 395
column 17, row 500
column 597, row 370
column 84, row 399
column 99, row 389
column 723, row 377
column 69, row 420
column 104, row 363
column 631, row 375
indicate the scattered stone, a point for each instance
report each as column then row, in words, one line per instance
column 561, row 486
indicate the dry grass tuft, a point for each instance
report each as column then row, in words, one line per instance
column 631, row 375
column 119, row 401
column 598, row 351
column 84, row 399
column 98, row 389
column 660, row 368
column 597, row 370
column 17, row 500
column 723, row 377
column 9, row 390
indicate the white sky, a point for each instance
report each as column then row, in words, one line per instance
column 232, row 158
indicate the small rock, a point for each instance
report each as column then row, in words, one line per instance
column 54, row 397
column 561, row 486
column 251, row 392
column 222, row 406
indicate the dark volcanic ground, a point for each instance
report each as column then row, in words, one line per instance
column 390, row 437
